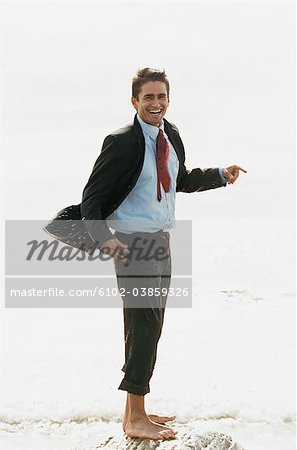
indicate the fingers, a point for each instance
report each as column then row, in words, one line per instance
column 120, row 254
column 116, row 250
column 234, row 173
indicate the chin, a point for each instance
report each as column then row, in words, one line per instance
column 155, row 121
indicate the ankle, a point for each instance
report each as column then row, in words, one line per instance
column 136, row 417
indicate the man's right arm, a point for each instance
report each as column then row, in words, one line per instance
column 98, row 190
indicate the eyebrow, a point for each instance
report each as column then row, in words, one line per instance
column 152, row 95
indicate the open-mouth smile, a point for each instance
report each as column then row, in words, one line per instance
column 156, row 113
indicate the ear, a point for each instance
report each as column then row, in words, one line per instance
column 134, row 102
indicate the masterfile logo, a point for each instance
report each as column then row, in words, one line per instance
column 44, row 272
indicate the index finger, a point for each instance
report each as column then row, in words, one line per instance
column 240, row 168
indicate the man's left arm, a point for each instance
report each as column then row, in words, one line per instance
column 197, row 180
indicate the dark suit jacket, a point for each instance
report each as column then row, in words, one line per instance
column 117, row 169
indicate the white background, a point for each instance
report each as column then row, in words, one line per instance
column 66, row 83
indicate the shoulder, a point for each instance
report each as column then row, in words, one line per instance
column 123, row 133
column 122, row 143
column 121, row 136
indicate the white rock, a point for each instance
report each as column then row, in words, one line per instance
column 187, row 439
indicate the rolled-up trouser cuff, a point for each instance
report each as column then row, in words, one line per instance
column 133, row 388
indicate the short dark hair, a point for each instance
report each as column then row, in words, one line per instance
column 144, row 76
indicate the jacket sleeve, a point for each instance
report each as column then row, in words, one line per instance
column 99, row 188
column 195, row 180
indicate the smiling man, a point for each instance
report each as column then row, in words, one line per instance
column 132, row 189
column 152, row 102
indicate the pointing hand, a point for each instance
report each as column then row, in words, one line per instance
column 231, row 173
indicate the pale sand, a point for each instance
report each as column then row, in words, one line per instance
column 110, row 436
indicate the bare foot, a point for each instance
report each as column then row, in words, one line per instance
column 153, row 417
column 160, row 419
column 144, row 428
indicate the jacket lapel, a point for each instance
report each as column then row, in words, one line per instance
column 172, row 134
column 137, row 131
column 170, row 130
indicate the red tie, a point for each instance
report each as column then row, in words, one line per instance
column 162, row 161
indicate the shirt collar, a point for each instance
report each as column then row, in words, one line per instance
column 150, row 130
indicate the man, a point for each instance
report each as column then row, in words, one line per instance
column 132, row 189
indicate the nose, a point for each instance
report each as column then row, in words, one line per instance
column 155, row 101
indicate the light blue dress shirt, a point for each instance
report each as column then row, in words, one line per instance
column 141, row 210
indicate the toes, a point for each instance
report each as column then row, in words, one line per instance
column 167, row 434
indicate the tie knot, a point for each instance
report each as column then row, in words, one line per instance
column 161, row 135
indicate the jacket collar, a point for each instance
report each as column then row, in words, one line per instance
column 170, row 130
column 150, row 130
column 136, row 129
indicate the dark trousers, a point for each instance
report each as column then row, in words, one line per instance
column 143, row 284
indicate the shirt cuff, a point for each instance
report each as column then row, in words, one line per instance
column 224, row 180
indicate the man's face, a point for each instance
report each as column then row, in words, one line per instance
column 152, row 102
